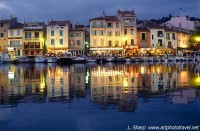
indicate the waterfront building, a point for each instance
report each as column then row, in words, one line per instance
column 15, row 44
column 181, row 22
column 77, row 40
column 143, row 39
column 183, row 41
column 57, row 36
column 171, row 39
column 4, row 26
column 113, row 34
column 33, row 38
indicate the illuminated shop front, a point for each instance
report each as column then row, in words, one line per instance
column 107, row 51
column 131, row 50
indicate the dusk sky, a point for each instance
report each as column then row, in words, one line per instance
column 82, row 10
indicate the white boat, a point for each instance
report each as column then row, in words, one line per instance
column 79, row 59
column 151, row 59
column 110, row 59
column 40, row 59
column 128, row 59
column 91, row 59
column 6, row 58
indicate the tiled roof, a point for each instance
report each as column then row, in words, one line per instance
column 106, row 18
column 79, row 26
column 18, row 26
column 60, row 23
column 5, row 21
column 142, row 29
column 126, row 12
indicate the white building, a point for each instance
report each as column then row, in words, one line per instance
column 181, row 22
column 57, row 36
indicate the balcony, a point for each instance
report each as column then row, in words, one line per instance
column 98, row 26
column 129, row 24
column 34, row 45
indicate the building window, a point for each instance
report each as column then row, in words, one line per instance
column 18, row 33
column 101, row 25
column 11, row 32
column 152, row 37
column 78, row 42
column 126, row 42
column 94, row 33
column 173, row 36
column 132, row 41
column 2, row 35
column 27, row 35
column 131, row 31
column 52, row 42
column 101, row 33
column 143, row 36
column 1, row 25
column 117, row 25
column 71, row 43
column 110, row 43
column 61, row 41
column 94, row 41
column 94, row 24
column 168, row 36
column 52, row 32
column 109, row 33
column 160, row 42
column 36, row 34
column 61, row 32
column 77, row 34
column 71, row 35
column 160, row 34
column 116, row 43
column 102, row 41
column 117, row 33
column 109, row 25
column 125, row 31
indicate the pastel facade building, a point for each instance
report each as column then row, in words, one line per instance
column 33, row 38
column 15, row 44
column 4, row 26
column 113, row 34
column 77, row 40
column 57, row 36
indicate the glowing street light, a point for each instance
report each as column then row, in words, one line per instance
column 197, row 38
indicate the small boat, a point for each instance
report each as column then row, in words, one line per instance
column 79, row 59
column 145, row 59
column 110, row 59
column 120, row 59
column 40, row 59
column 101, row 59
column 151, row 59
column 91, row 60
column 128, row 59
column 6, row 58
column 52, row 58
column 65, row 58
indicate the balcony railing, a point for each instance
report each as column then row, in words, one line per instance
column 98, row 26
column 129, row 24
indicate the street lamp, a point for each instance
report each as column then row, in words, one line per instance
column 197, row 39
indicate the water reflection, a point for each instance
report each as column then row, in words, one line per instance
column 112, row 86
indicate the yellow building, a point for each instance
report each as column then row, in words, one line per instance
column 33, row 38
column 57, row 36
column 183, row 41
column 77, row 40
column 108, row 34
column 4, row 26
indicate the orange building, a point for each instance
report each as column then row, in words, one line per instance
column 143, row 39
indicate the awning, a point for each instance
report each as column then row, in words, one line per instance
column 106, row 49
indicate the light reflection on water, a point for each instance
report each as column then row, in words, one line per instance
column 115, row 87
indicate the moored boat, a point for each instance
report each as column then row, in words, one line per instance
column 65, row 58
column 79, row 59
column 6, row 58
column 40, row 59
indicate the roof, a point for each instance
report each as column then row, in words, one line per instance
column 5, row 21
column 60, row 23
column 106, row 18
column 79, row 26
column 125, row 12
column 143, row 29
column 18, row 26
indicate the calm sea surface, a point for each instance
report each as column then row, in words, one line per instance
column 93, row 97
